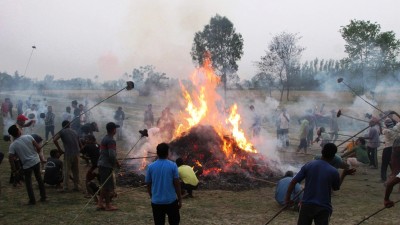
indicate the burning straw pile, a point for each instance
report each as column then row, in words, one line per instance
column 202, row 148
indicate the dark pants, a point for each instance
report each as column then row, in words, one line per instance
column 28, row 182
column 386, row 155
column 310, row 212
column 188, row 187
column 310, row 136
column 372, row 156
column 49, row 129
column 172, row 210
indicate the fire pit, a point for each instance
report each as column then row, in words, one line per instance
column 202, row 148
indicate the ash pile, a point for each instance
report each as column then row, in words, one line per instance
column 203, row 149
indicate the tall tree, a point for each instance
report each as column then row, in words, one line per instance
column 369, row 51
column 225, row 46
column 282, row 60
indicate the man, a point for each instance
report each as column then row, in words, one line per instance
column 119, row 117
column 27, row 150
column 189, row 181
column 321, row 178
column 53, row 174
column 88, row 129
column 163, row 186
column 256, row 122
column 284, row 121
column 75, row 122
column 49, row 122
column 107, row 162
column 32, row 115
column 334, row 126
column 5, row 109
column 281, row 189
column 389, row 137
column 373, row 143
column 148, row 117
column 358, row 156
column 67, row 115
column 71, row 152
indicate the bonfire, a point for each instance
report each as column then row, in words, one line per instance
column 209, row 138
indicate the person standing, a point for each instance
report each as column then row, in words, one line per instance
column 303, row 132
column 373, row 143
column 72, row 147
column 27, row 150
column 256, row 123
column 164, row 188
column 49, row 122
column 189, row 181
column 284, row 121
column 149, row 117
column 5, row 109
column 334, row 126
column 389, row 136
column 67, row 115
column 11, row 106
column 32, row 115
column 320, row 179
column 75, row 122
column 107, row 162
column 119, row 117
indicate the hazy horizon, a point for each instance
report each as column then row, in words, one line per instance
column 103, row 38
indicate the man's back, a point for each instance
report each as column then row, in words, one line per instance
column 320, row 178
column 281, row 189
column 23, row 147
column 161, row 175
column 187, row 175
column 70, row 141
column 53, row 171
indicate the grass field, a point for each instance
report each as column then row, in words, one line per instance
column 360, row 195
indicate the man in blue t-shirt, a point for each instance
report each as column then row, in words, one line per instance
column 321, row 178
column 164, row 188
column 282, row 187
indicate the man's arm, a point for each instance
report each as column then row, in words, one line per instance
column 177, row 185
column 11, row 158
column 388, row 191
column 289, row 191
column 149, row 189
column 55, row 140
column 37, row 146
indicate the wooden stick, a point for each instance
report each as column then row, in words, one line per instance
column 284, row 207
column 373, row 214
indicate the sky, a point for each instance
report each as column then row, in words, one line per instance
column 108, row 38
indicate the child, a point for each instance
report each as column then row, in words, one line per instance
column 53, row 174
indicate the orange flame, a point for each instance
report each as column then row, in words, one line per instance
column 201, row 108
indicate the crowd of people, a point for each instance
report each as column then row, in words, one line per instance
column 169, row 182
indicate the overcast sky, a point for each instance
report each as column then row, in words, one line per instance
column 86, row 38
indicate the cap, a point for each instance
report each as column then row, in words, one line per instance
column 22, row 117
column 111, row 125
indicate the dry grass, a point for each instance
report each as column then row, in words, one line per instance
column 360, row 196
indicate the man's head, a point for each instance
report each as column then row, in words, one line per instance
column 65, row 124
column 37, row 138
column 111, row 128
column 80, row 106
column 54, row 153
column 361, row 141
column 14, row 131
column 179, row 162
column 49, row 108
column 21, row 120
column 68, row 109
column 328, row 151
column 149, row 106
column 90, row 138
column 74, row 103
column 119, row 108
column 162, row 150
column 33, row 107
column 289, row 173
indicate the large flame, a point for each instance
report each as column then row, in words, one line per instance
column 202, row 108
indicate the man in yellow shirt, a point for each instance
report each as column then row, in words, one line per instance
column 189, row 181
